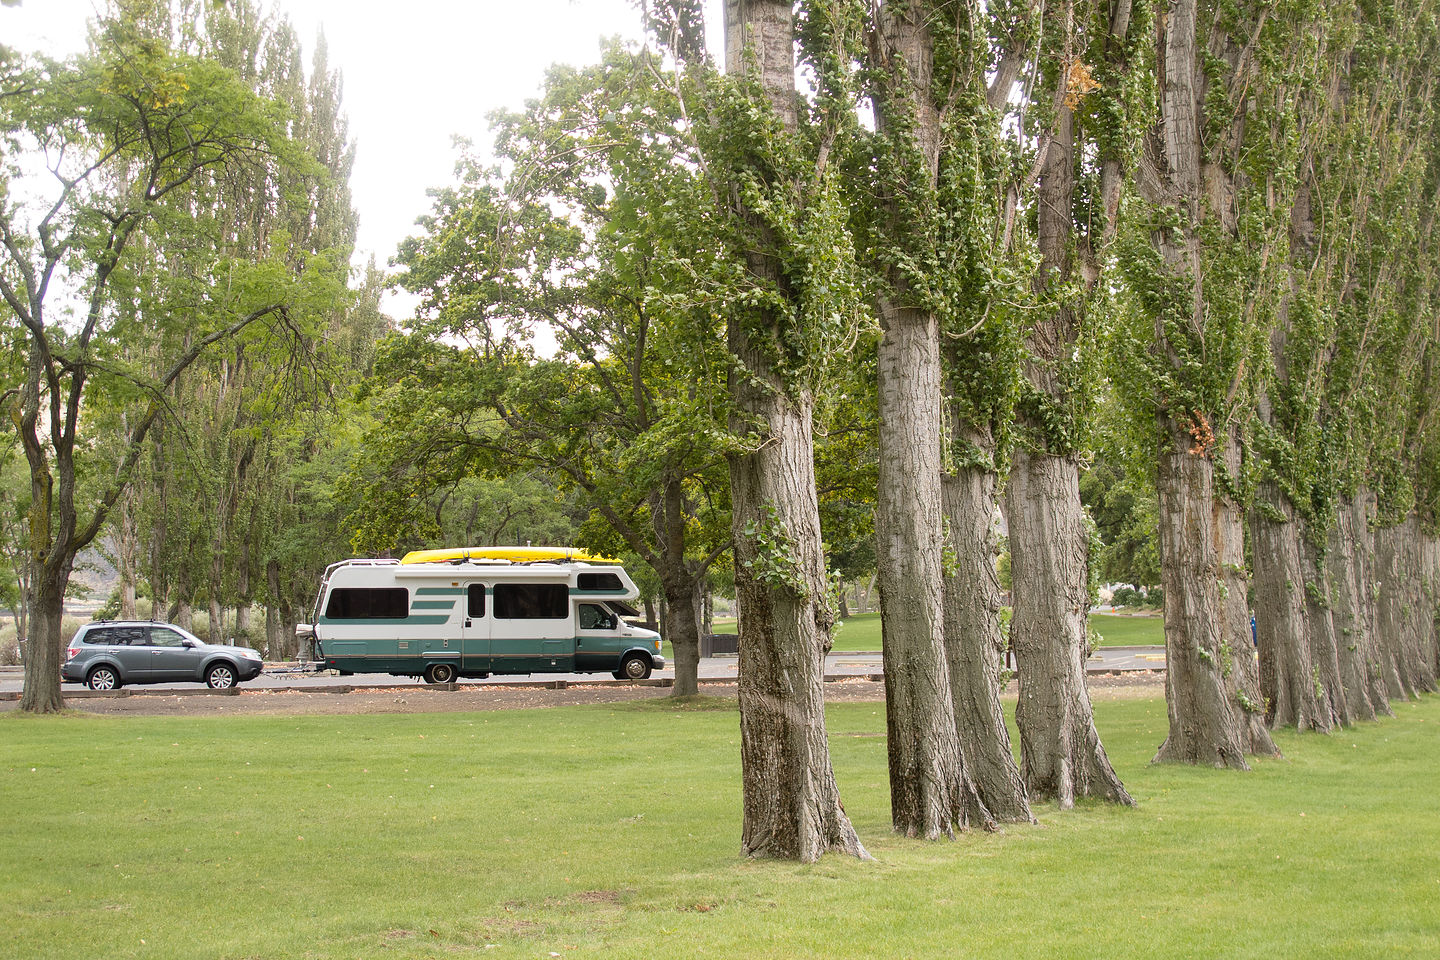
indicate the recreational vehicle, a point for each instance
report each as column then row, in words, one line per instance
column 443, row 614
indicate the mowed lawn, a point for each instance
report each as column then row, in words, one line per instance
column 861, row 633
column 614, row 831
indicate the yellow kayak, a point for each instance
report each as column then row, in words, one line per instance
column 513, row 554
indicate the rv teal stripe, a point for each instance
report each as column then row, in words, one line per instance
column 433, row 605
column 620, row 592
column 440, row 592
column 387, row 622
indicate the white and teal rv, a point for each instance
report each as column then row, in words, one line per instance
column 476, row 612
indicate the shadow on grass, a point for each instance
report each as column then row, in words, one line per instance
column 699, row 703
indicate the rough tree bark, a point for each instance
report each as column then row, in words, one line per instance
column 975, row 645
column 1320, row 628
column 1242, row 676
column 1390, row 610
column 127, row 553
column 1359, row 660
column 1060, row 750
column 1287, row 670
column 930, row 792
column 1211, row 690
column 1404, row 618
column 791, row 804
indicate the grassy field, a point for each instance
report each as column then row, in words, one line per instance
column 861, row 633
column 613, row 831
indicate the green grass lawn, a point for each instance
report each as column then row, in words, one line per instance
column 613, row 831
column 1129, row 631
column 861, row 633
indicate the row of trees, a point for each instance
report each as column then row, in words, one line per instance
column 1210, row 232
column 1046, row 232
column 712, row 314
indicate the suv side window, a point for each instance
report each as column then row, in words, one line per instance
column 165, row 637
column 100, row 635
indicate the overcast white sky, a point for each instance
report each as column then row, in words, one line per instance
column 417, row 73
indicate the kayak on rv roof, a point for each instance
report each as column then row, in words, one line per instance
column 513, row 554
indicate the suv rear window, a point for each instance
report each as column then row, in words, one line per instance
column 115, row 636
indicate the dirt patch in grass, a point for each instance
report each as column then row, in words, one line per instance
column 1124, row 686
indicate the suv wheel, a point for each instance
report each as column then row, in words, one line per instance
column 103, row 678
column 220, row 677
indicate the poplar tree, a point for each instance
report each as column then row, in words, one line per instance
column 787, row 286
column 1200, row 265
column 1090, row 88
column 930, row 787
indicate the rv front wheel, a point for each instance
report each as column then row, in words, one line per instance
column 440, row 673
column 634, row 667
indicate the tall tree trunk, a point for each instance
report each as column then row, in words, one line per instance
column 1242, row 673
column 682, row 608
column 43, row 649
column 1060, row 750
column 1359, row 673
column 930, row 791
column 217, row 621
column 273, row 648
column 1211, row 692
column 975, row 645
column 1368, row 536
column 930, row 794
column 1390, row 617
column 1430, row 608
column 791, row 803
column 1420, row 607
column 127, row 552
column 1287, row 670
column 683, row 602
column 1320, row 624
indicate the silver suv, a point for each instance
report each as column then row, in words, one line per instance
column 107, row 654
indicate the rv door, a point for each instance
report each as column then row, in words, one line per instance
column 475, row 642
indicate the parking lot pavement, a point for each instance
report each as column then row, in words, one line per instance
column 282, row 676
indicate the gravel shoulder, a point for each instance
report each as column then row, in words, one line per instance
column 467, row 698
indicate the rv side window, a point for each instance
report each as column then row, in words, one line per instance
column 532, row 601
column 476, row 593
column 599, row 581
column 368, row 603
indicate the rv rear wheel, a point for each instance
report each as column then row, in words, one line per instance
column 440, row 673
column 634, row 667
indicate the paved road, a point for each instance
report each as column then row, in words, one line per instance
column 282, row 676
